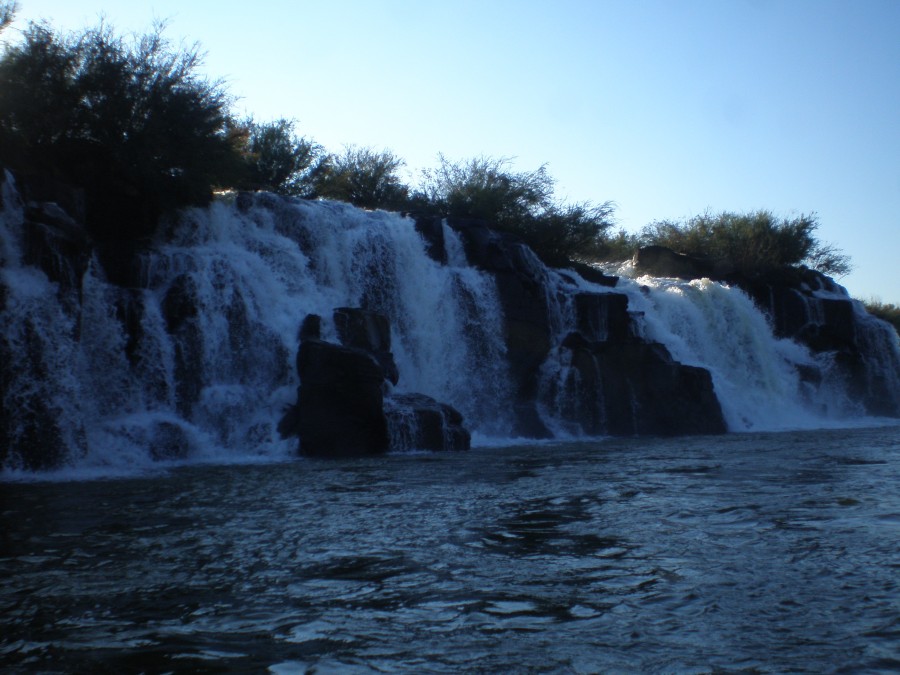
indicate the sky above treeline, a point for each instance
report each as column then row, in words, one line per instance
column 669, row 109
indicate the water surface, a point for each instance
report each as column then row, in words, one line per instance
column 746, row 552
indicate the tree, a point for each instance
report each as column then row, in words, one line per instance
column 752, row 242
column 486, row 188
column 130, row 121
column 7, row 14
column 278, row 160
column 518, row 202
column 364, row 177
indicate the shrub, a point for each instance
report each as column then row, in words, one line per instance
column 7, row 14
column 277, row 159
column 887, row 311
column 619, row 247
column 130, row 121
column 517, row 202
column 486, row 188
column 753, row 242
column 362, row 176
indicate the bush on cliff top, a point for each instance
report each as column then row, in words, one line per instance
column 517, row 202
column 276, row 159
column 886, row 311
column 752, row 242
column 130, row 121
column 363, row 177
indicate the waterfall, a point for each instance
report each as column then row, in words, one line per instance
column 196, row 362
column 707, row 324
column 762, row 382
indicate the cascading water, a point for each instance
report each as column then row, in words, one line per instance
column 197, row 364
column 762, row 382
column 707, row 324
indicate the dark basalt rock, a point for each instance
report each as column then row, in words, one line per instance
column 58, row 245
column 660, row 261
column 169, row 442
column 602, row 317
column 803, row 305
column 632, row 388
column 369, row 331
column 658, row 396
column 522, row 292
column 432, row 231
column 31, row 434
column 624, row 386
column 341, row 409
column 340, row 401
column 419, row 422
column 591, row 274
column 180, row 311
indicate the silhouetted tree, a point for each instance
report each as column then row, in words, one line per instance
column 130, row 121
column 517, row 202
column 364, row 177
column 752, row 242
column 7, row 13
column 488, row 189
column 278, row 160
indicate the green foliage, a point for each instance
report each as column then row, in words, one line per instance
column 362, row 176
column 130, row 121
column 277, row 159
column 517, row 202
column 619, row 247
column 7, row 14
column 752, row 242
column 887, row 311
column 486, row 188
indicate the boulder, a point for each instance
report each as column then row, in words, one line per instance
column 341, row 409
column 418, row 422
column 340, row 402
column 630, row 388
column 660, row 261
column 370, row 332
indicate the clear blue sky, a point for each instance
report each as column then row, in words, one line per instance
column 668, row 108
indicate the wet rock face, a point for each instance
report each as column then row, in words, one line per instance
column 340, row 401
column 180, row 308
column 622, row 385
column 806, row 306
column 526, row 312
column 341, row 409
column 809, row 307
column 432, row 231
column 419, row 422
column 369, row 331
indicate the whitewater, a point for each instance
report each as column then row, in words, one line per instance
column 212, row 389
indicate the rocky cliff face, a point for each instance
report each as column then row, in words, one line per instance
column 810, row 308
column 427, row 330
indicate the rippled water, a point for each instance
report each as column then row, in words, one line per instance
column 764, row 552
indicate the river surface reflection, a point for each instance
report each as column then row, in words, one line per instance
column 746, row 552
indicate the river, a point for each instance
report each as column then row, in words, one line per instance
column 757, row 552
